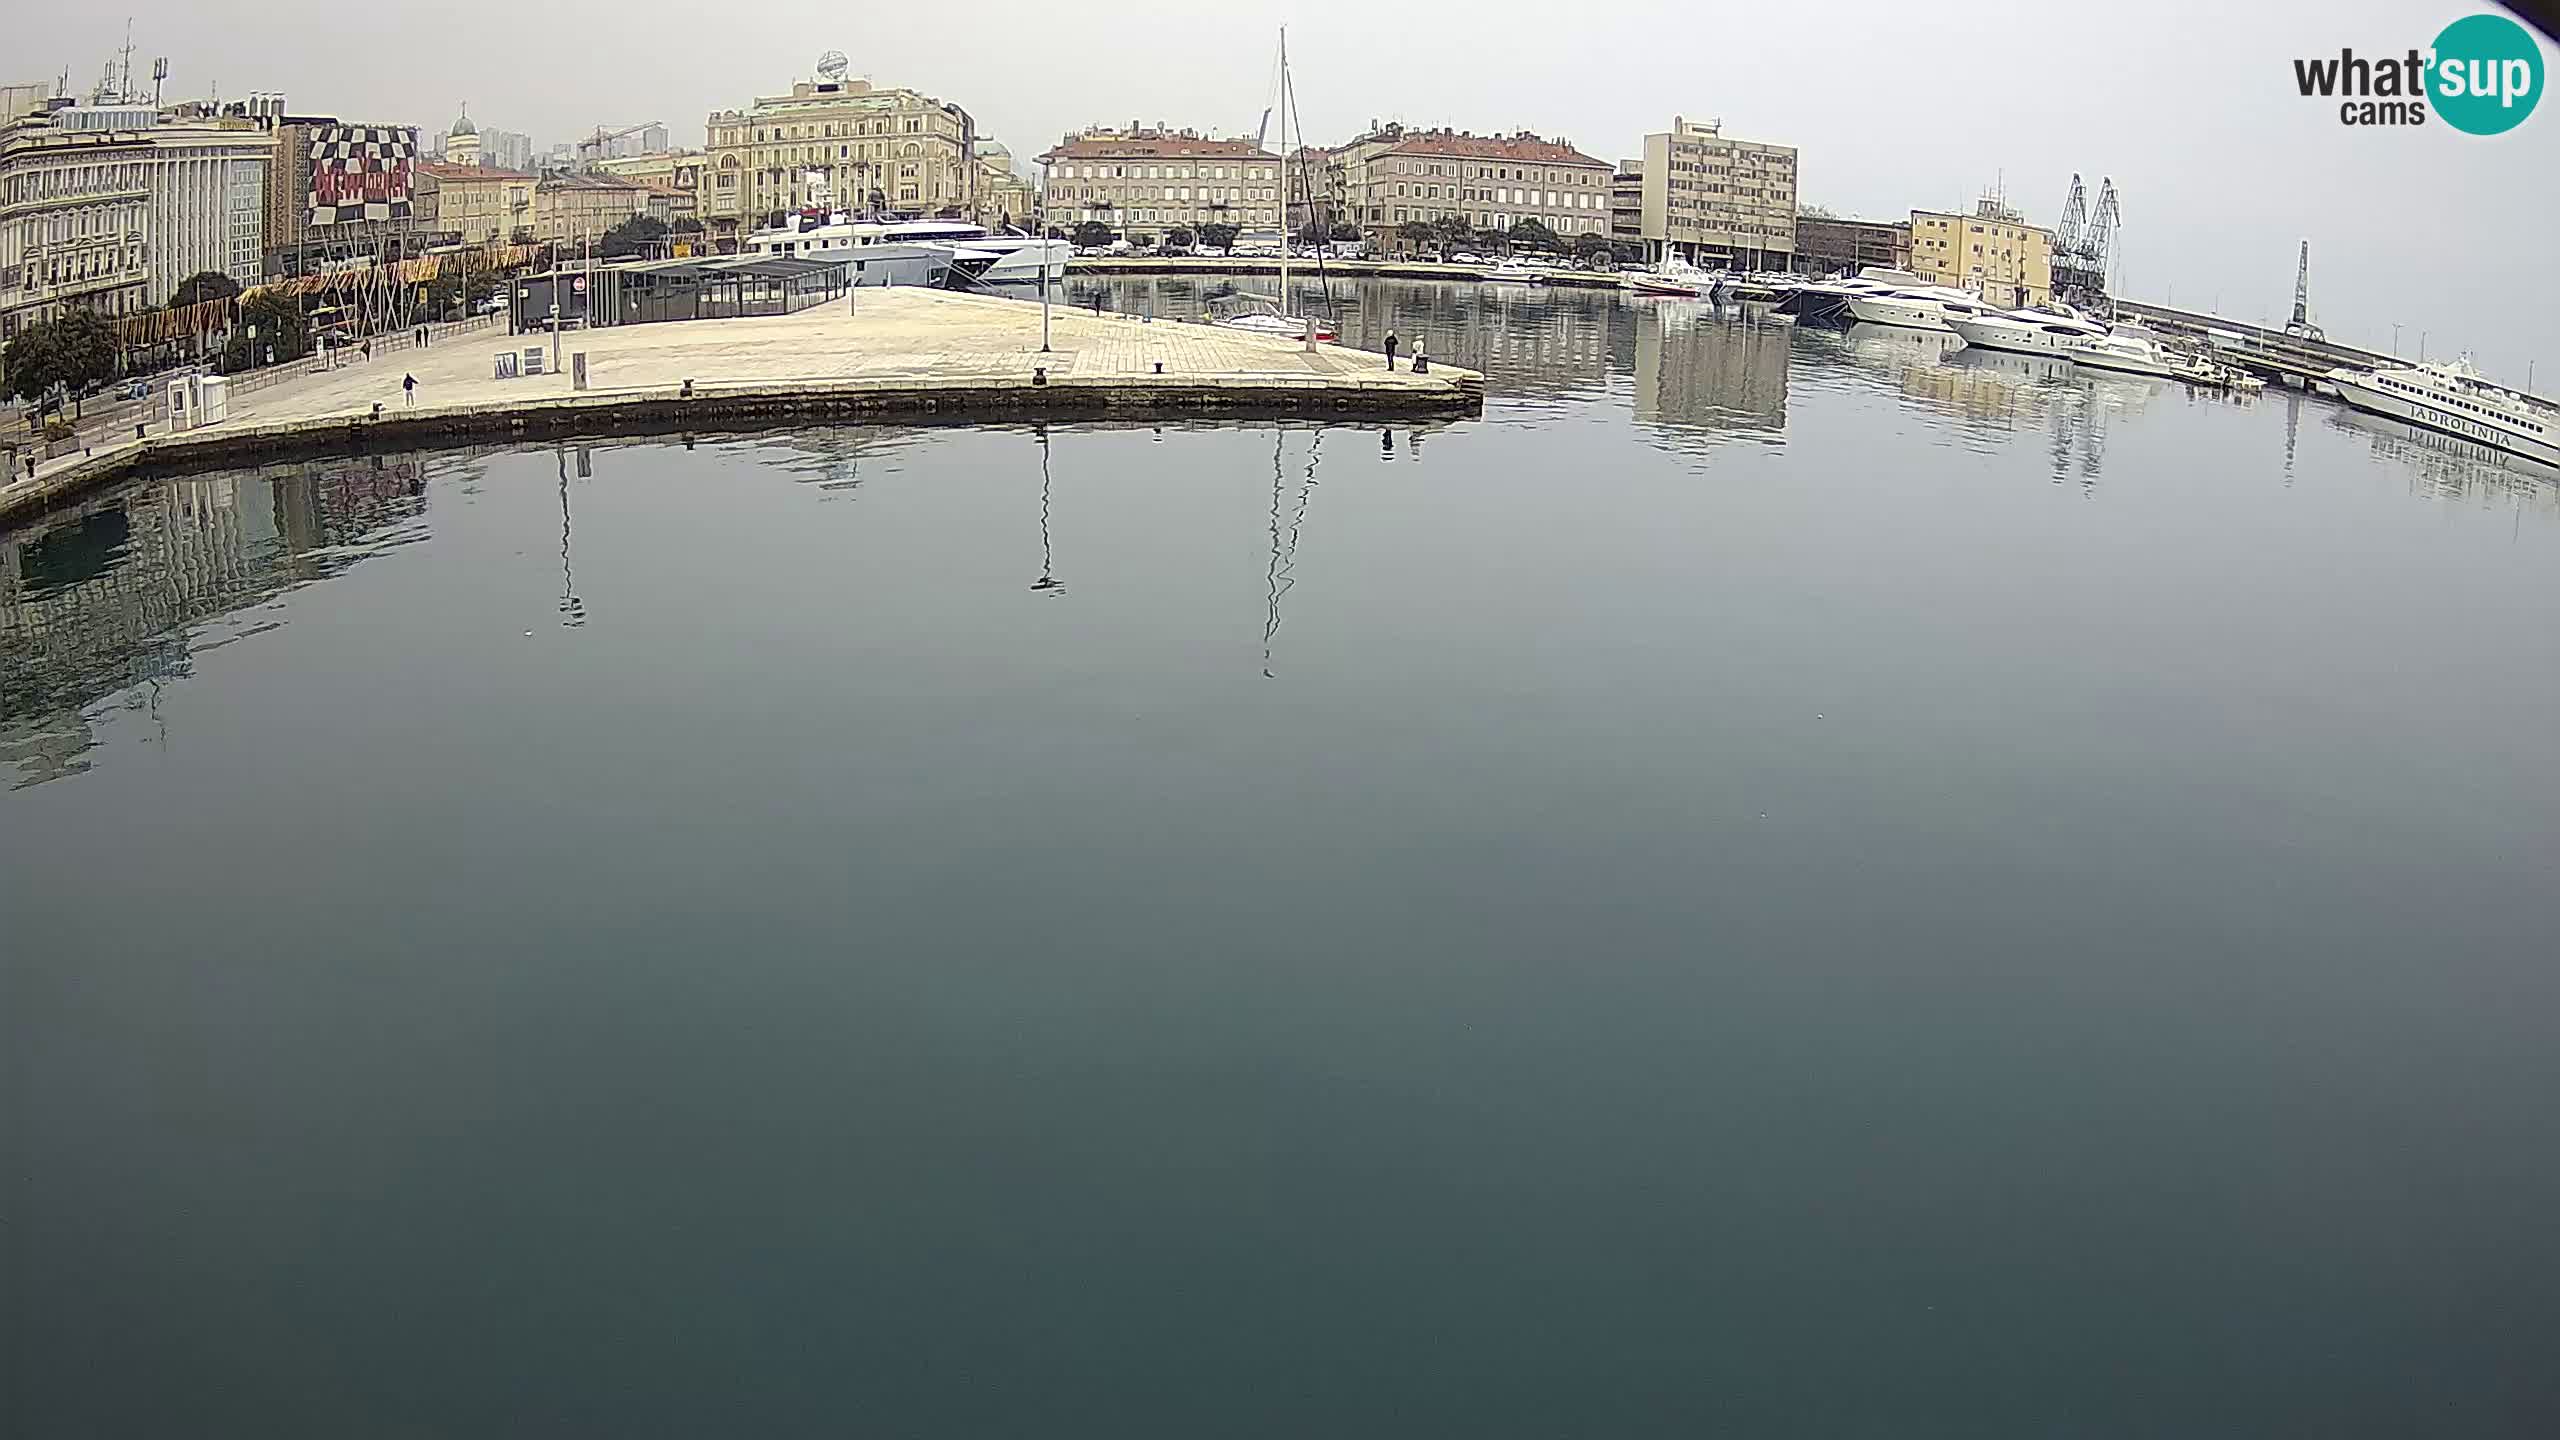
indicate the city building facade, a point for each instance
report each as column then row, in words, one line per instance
column 108, row 208
column 1626, row 205
column 1992, row 252
column 1827, row 245
column 208, row 203
column 1005, row 199
column 476, row 204
column 1390, row 177
column 666, row 169
column 841, row 143
column 74, row 220
column 1718, row 201
column 1145, row 182
column 572, row 208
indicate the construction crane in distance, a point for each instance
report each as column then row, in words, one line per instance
column 592, row 148
column 2301, row 326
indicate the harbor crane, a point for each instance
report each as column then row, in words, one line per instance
column 2301, row 326
column 2081, row 243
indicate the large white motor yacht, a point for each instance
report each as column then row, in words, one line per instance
column 1921, row 307
column 2456, row 399
column 2027, row 332
column 975, row 251
column 2129, row 351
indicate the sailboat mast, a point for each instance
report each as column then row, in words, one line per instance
column 1285, row 307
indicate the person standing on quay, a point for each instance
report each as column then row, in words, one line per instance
column 409, row 390
column 1391, row 349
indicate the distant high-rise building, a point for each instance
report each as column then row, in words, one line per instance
column 505, row 149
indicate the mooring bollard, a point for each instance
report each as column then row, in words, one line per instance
column 688, row 387
column 1039, row 374
column 377, row 409
column 1159, row 367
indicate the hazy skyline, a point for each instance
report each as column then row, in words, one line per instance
column 2222, row 165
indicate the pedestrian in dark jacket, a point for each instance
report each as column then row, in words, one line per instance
column 1391, row 349
column 409, row 390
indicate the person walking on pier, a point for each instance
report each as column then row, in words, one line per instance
column 1391, row 349
column 409, row 390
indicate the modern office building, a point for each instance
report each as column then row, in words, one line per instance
column 1718, row 201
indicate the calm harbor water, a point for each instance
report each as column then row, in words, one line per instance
column 1778, row 883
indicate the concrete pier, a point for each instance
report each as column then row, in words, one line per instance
column 893, row 354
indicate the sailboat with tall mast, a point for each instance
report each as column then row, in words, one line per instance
column 1265, row 314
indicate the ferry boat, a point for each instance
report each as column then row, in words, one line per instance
column 2455, row 399
column 2029, row 331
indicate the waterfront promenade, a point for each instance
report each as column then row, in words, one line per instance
column 894, row 353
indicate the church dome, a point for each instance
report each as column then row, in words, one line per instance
column 464, row 126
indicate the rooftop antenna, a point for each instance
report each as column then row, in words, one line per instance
column 159, row 77
column 124, row 76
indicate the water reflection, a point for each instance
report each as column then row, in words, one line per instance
column 125, row 591
column 1048, row 583
column 2445, row 467
column 1281, row 576
column 1704, row 375
column 100, row 603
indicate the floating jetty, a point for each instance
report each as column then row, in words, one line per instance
column 896, row 354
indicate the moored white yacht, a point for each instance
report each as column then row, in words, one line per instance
column 2130, row 351
column 2027, row 332
column 1922, row 307
column 1512, row 272
column 1826, row 302
column 1674, row 276
column 2457, row 400
column 982, row 254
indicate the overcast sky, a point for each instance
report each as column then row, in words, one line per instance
column 2191, row 107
